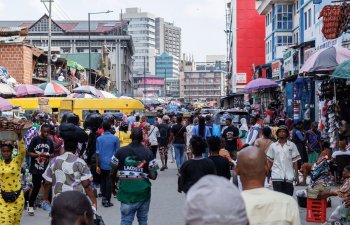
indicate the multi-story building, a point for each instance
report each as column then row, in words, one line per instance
column 148, row 86
column 246, row 46
column 168, row 37
column 167, row 65
column 73, row 37
column 202, row 85
column 142, row 29
column 172, row 87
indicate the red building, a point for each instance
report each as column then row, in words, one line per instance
column 247, row 42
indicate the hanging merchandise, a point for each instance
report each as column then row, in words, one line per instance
column 335, row 20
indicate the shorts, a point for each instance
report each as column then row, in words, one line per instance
column 163, row 150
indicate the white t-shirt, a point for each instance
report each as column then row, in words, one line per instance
column 336, row 153
column 266, row 207
column 153, row 135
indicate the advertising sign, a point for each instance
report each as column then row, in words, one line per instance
column 276, row 69
column 241, row 78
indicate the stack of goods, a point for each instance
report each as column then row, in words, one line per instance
column 44, row 105
column 9, row 126
column 335, row 20
column 319, row 179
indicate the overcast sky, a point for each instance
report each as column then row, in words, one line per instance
column 202, row 21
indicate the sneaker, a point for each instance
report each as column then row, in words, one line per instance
column 108, row 204
column 166, row 167
column 46, row 206
column 163, row 168
column 30, row 211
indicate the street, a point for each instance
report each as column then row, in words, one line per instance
column 166, row 205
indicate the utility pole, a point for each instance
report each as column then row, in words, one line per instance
column 90, row 81
column 165, row 85
column 49, row 39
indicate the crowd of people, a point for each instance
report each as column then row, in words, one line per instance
column 117, row 155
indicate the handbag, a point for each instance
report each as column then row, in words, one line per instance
column 10, row 196
column 98, row 220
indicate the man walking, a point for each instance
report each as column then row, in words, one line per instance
column 230, row 134
column 136, row 165
column 260, row 201
column 106, row 146
column 283, row 156
column 163, row 141
column 40, row 149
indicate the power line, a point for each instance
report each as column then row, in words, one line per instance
column 62, row 10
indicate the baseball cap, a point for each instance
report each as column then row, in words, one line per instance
column 213, row 200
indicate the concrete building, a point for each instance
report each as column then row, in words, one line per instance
column 167, row 65
column 173, row 87
column 202, row 85
column 168, row 38
column 73, row 37
column 246, row 46
column 148, row 86
column 142, row 29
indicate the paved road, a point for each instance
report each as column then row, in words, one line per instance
column 166, row 205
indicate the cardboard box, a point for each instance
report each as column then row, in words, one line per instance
column 45, row 108
column 43, row 101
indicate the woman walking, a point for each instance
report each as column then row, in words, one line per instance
column 12, row 197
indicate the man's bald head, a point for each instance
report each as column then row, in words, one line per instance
column 251, row 163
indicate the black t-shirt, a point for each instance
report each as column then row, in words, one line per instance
column 179, row 133
column 222, row 166
column 231, row 134
column 138, row 152
column 164, row 131
column 193, row 170
column 40, row 145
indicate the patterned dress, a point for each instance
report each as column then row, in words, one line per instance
column 10, row 213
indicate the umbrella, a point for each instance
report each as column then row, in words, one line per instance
column 6, row 90
column 105, row 94
column 28, row 89
column 5, row 105
column 326, row 59
column 75, row 65
column 88, row 90
column 54, row 89
column 260, row 83
column 81, row 95
column 343, row 70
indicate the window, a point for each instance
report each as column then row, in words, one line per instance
column 284, row 17
column 284, row 40
column 309, row 17
column 305, row 20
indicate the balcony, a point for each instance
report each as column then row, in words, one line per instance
column 264, row 6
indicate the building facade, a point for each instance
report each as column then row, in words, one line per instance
column 172, row 87
column 168, row 38
column 148, row 86
column 246, row 46
column 167, row 65
column 73, row 37
column 142, row 29
column 202, row 85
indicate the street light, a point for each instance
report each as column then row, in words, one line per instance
column 108, row 11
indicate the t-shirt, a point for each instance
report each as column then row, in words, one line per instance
column 230, row 141
column 40, row 145
column 66, row 172
column 124, row 137
column 106, row 146
column 134, row 163
column 222, row 166
column 164, row 131
column 178, row 131
column 337, row 153
column 266, row 207
column 193, row 170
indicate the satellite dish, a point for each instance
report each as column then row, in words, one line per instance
column 54, row 58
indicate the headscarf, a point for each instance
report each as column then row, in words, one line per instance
column 244, row 125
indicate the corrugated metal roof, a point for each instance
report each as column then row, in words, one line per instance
column 12, row 39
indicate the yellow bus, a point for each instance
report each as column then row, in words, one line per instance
column 29, row 105
column 83, row 107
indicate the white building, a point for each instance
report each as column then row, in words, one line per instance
column 168, row 38
column 142, row 30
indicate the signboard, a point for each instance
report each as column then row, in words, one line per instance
column 288, row 62
column 276, row 69
column 241, row 78
column 308, row 52
column 321, row 42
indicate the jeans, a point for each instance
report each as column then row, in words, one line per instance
column 179, row 154
column 106, row 185
column 284, row 187
column 128, row 211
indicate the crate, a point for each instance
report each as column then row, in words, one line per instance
column 316, row 210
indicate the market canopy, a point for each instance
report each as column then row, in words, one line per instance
column 88, row 90
column 342, row 71
column 326, row 59
column 54, row 89
column 75, row 65
column 260, row 83
column 28, row 89
column 6, row 90
column 5, row 105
